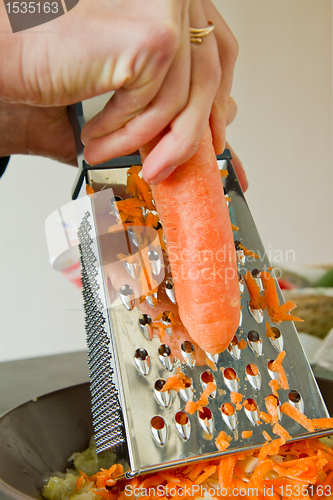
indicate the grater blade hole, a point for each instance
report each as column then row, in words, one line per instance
column 181, row 418
column 296, row 400
column 231, row 379
column 230, row 374
column 164, row 350
column 187, row 347
column 188, row 353
column 253, row 336
column 228, row 409
column 145, row 326
column 141, row 354
column 207, row 377
column 253, row 376
column 170, row 290
column 157, row 423
column 252, row 370
column 155, row 262
column 205, row 413
column 255, row 342
column 183, row 425
column 164, row 355
column 294, row 396
column 276, row 332
column 251, row 410
column 159, row 384
column 256, row 273
column 158, row 429
column 142, row 361
column 163, row 397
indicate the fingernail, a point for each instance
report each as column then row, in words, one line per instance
column 161, row 176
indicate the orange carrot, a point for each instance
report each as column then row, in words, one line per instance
column 323, row 423
column 266, row 436
column 247, row 434
column 275, row 386
column 195, row 219
column 248, row 252
column 298, row 416
column 276, row 312
column 202, row 401
column 265, row 417
column 271, row 405
column 254, row 291
column 176, row 382
column 280, row 431
column 222, row 441
column 270, row 448
column 242, row 344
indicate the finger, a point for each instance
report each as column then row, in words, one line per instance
column 183, row 137
column 170, row 100
column 228, row 52
column 239, row 169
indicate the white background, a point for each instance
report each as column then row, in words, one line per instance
column 283, row 134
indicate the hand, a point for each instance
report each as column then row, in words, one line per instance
column 119, row 128
column 35, row 130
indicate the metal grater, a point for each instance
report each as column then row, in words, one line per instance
column 144, row 427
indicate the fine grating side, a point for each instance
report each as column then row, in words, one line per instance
column 128, row 405
column 107, row 421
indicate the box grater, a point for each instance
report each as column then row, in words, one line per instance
column 146, row 428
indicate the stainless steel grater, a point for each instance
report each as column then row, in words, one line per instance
column 146, row 428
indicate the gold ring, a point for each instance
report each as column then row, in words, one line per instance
column 197, row 34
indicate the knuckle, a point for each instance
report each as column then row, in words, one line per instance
column 165, row 40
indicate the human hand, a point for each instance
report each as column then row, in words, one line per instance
column 151, row 65
column 206, row 93
column 26, row 129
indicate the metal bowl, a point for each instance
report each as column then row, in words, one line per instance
column 37, row 437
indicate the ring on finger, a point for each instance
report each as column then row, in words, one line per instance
column 197, row 34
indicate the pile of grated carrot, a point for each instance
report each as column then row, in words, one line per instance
column 298, row 470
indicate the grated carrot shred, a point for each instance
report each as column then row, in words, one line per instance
column 248, row 253
column 89, row 190
column 222, row 441
column 265, row 417
column 323, row 423
column 275, row 386
column 298, row 416
column 271, row 406
column 247, row 434
column 242, row 344
column 280, row 431
column 176, row 382
column 266, row 436
column 236, row 397
column 191, row 406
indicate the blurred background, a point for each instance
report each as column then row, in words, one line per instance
column 283, row 135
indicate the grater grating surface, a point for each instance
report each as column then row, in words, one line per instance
column 128, row 364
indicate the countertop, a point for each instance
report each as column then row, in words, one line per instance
column 26, row 379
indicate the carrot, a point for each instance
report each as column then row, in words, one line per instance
column 323, row 423
column 265, row 417
column 247, row 434
column 275, row 386
column 191, row 406
column 195, row 219
column 222, row 441
column 248, row 252
column 277, row 312
column 280, row 431
column 254, row 291
column 270, row 448
column 298, row 416
column 242, row 344
column 266, row 436
column 271, row 405
column 176, row 382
